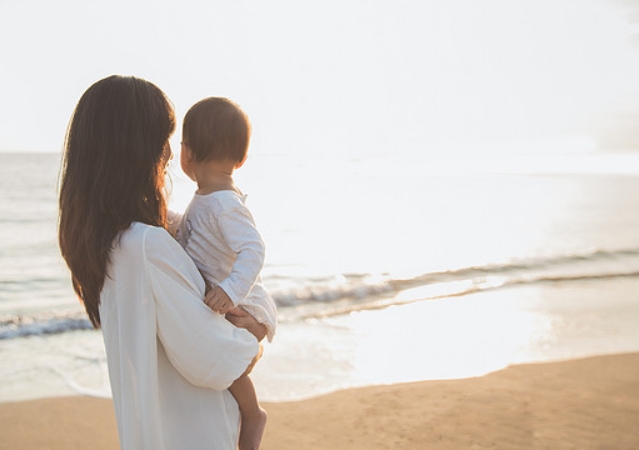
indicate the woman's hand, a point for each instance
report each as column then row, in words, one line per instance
column 241, row 319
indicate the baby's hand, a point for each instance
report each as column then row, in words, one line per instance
column 218, row 300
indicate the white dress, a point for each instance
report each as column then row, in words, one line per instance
column 170, row 358
column 218, row 231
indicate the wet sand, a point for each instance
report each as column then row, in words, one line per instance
column 590, row 403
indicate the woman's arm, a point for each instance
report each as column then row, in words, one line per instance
column 203, row 346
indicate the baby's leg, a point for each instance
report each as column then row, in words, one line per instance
column 253, row 416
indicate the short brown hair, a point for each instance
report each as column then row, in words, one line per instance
column 216, row 129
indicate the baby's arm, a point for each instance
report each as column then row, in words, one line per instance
column 238, row 229
column 242, row 237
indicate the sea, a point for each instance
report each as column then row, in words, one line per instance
column 385, row 268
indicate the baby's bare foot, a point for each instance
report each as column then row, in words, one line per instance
column 252, row 430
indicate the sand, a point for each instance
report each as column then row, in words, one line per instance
column 582, row 404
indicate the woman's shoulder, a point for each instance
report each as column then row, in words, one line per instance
column 152, row 247
column 143, row 237
column 139, row 232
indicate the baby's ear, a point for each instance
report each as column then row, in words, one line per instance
column 241, row 163
column 185, row 152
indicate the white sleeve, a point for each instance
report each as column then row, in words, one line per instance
column 243, row 238
column 204, row 347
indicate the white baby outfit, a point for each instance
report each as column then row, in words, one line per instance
column 218, row 231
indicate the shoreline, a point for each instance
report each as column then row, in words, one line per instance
column 449, row 339
column 589, row 403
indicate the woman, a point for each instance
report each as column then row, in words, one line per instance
column 170, row 358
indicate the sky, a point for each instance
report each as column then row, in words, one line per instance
column 340, row 76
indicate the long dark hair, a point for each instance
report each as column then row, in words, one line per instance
column 112, row 174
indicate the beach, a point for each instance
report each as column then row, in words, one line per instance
column 553, row 365
column 447, row 196
column 589, row 403
column 485, row 311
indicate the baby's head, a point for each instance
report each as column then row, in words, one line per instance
column 216, row 129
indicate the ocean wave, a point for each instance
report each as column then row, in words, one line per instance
column 569, row 267
column 347, row 293
column 25, row 325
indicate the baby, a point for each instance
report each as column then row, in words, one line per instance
column 218, row 231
